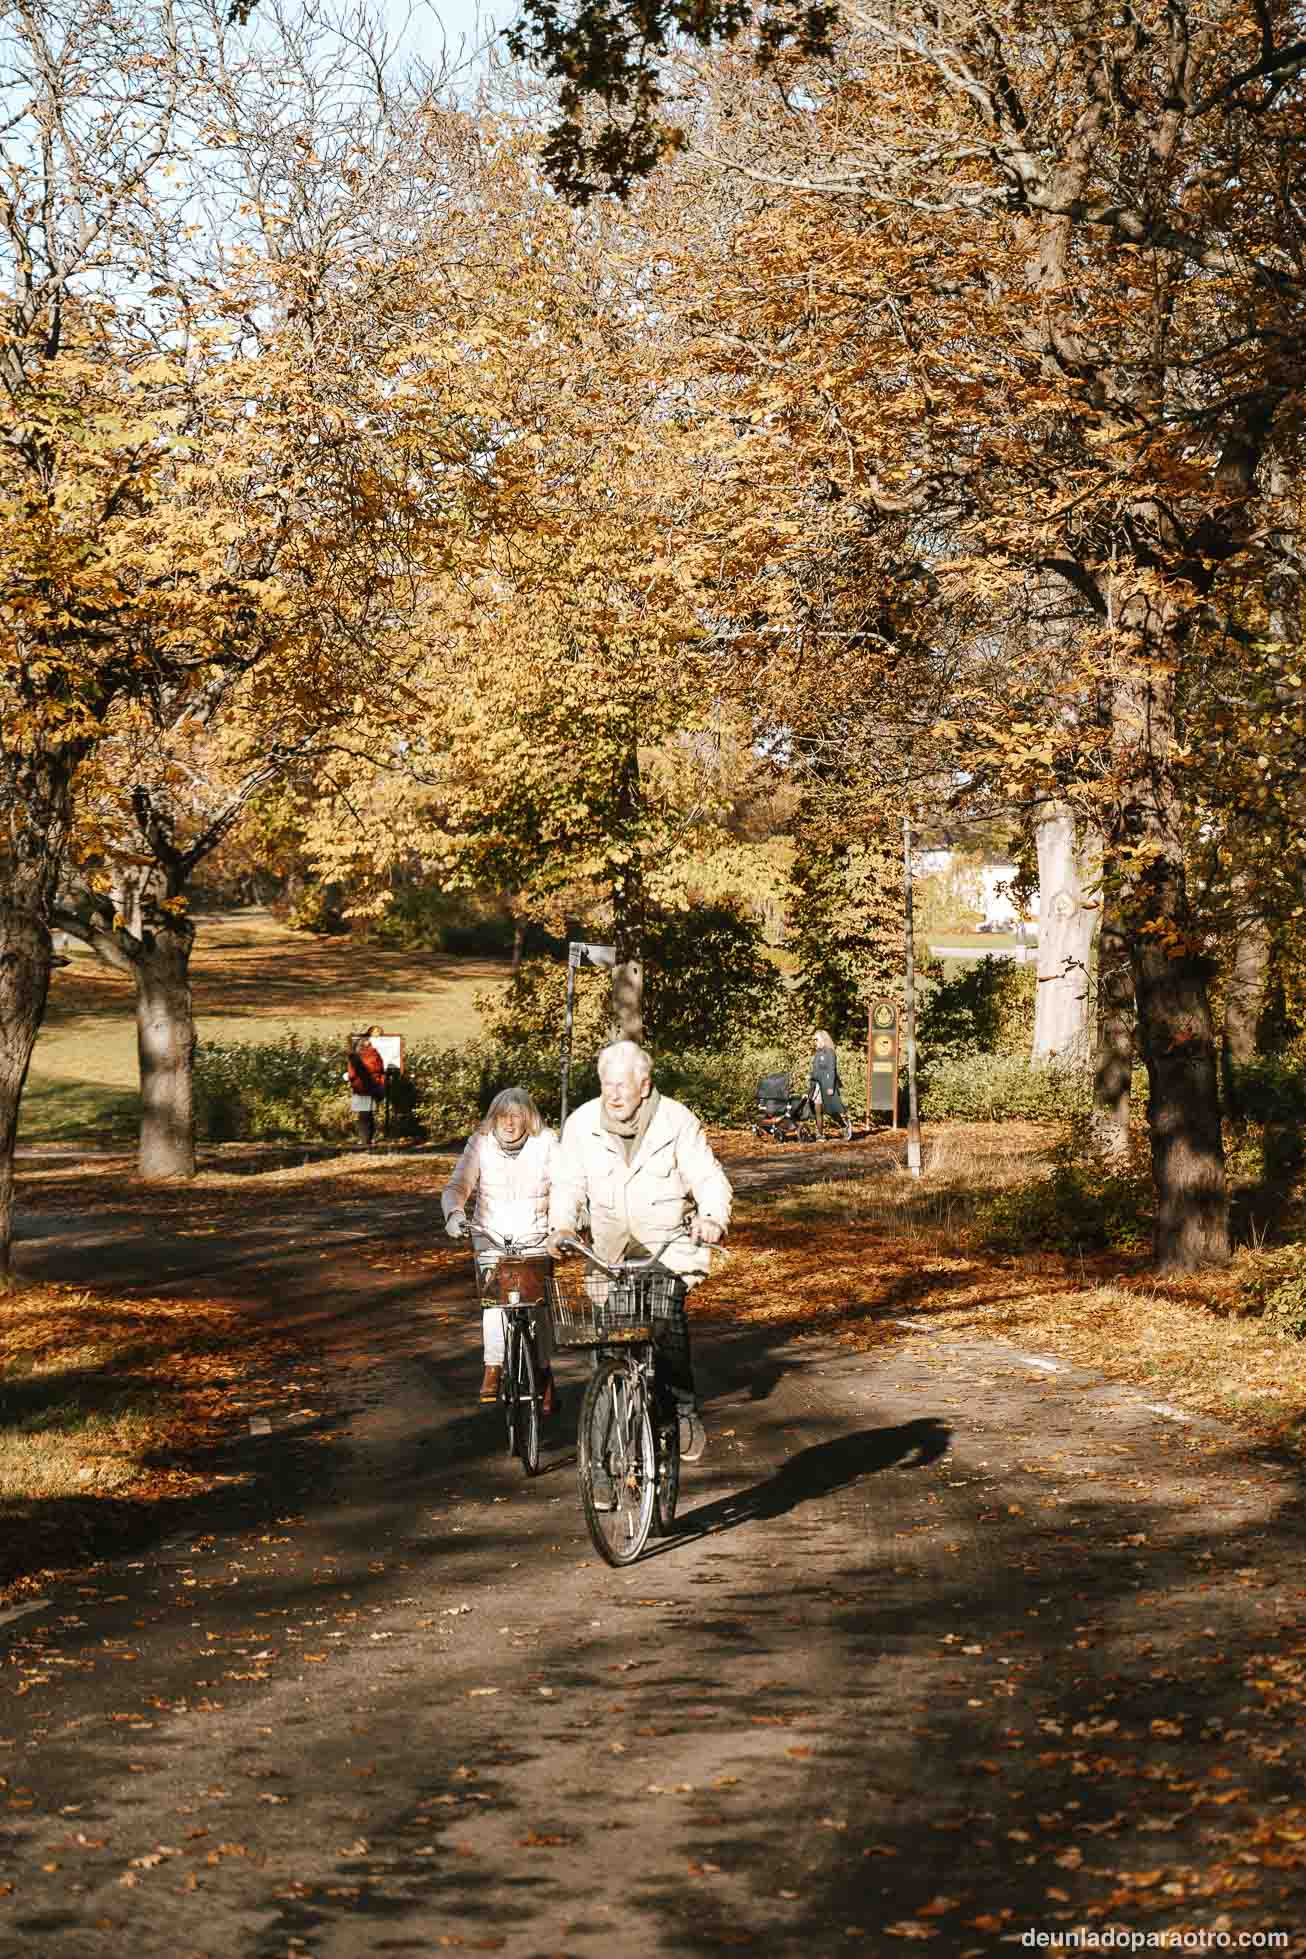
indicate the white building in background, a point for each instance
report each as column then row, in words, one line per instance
column 993, row 887
column 998, row 908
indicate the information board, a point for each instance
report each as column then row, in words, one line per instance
column 882, row 1059
column 390, row 1047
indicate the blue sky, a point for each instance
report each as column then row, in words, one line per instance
column 460, row 20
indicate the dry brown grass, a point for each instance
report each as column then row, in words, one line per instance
column 850, row 1257
column 115, row 1399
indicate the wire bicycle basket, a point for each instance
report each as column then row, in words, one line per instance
column 590, row 1309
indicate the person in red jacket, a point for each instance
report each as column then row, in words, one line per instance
column 365, row 1072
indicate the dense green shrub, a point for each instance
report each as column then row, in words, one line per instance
column 987, row 1008
column 527, row 1011
column 1082, row 1204
column 288, row 1089
column 460, row 1083
column 1275, row 1286
column 295, row 1089
column 1272, row 1090
column 266, row 1089
column 972, row 1087
column 710, row 982
column 709, row 985
column 467, row 923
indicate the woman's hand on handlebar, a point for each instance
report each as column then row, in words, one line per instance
column 456, row 1224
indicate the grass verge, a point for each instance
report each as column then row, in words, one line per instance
column 109, row 1407
column 850, row 1257
column 254, row 980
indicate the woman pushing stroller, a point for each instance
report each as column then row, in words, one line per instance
column 824, row 1084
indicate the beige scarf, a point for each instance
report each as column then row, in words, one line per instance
column 631, row 1133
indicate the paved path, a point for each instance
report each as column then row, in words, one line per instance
column 951, row 1647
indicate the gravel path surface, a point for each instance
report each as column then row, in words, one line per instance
column 952, row 1646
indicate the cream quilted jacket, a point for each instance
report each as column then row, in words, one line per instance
column 674, row 1174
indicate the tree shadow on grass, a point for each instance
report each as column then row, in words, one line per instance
column 60, row 1111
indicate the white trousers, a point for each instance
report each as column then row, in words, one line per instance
column 493, row 1330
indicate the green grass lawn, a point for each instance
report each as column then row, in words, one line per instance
column 978, row 941
column 254, row 981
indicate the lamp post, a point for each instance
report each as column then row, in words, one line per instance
column 909, row 1005
column 579, row 953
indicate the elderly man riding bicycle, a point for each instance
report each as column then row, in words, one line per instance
column 648, row 1174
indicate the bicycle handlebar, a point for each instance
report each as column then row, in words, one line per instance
column 623, row 1266
column 512, row 1249
column 509, row 1245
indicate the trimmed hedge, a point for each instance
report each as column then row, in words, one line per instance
column 994, row 1087
column 295, row 1089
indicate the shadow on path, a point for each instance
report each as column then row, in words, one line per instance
column 818, row 1472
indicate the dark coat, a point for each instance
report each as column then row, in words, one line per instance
column 825, row 1074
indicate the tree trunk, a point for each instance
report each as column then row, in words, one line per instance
column 1114, row 1062
column 628, row 1000
column 1066, row 920
column 36, row 798
column 518, row 941
column 1176, row 1030
column 165, row 1040
column 25, row 953
column 1183, row 1110
column 1243, row 1005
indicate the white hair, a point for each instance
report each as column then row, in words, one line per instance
column 511, row 1098
column 623, row 1056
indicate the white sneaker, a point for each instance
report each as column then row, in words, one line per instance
column 693, row 1439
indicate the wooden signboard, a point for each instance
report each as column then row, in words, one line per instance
column 882, row 1060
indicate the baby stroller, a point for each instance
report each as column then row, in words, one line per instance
column 781, row 1115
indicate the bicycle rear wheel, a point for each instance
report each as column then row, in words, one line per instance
column 527, row 1396
column 668, row 1490
column 616, row 1463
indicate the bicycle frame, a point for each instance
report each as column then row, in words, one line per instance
column 628, row 1443
column 519, row 1376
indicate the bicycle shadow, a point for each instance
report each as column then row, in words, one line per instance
column 815, row 1473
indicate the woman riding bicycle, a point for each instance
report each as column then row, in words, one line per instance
column 504, row 1176
column 648, row 1174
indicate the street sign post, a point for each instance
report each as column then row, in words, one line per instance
column 579, row 953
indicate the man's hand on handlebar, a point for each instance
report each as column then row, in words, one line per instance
column 706, row 1231
column 456, row 1224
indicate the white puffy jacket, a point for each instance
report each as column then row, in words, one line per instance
column 504, row 1193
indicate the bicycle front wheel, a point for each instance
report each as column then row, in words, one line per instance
column 527, row 1396
column 616, row 1463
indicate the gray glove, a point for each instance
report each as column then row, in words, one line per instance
column 456, row 1224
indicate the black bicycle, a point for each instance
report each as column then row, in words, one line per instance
column 628, row 1443
column 516, row 1278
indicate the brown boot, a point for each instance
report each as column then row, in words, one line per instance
column 490, row 1384
column 548, row 1397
